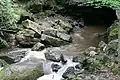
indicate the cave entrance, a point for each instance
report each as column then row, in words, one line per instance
column 92, row 16
column 96, row 21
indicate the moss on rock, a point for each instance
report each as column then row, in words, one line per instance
column 113, row 31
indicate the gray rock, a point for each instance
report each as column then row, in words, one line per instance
column 14, row 56
column 26, row 38
column 3, row 63
column 49, row 40
column 75, row 59
column 102, row 46
column 51, row 57
column 22, row 71
column 32, row 25
column 87, row 51
column 50, row 32
column 64, row 25
column 112, row 50
column 113, row 44
column 64, row 36
column 78, row 59
column 78, row 66
column 92, row 53
column 38, row 47
column 55, row 67
column 69, row 73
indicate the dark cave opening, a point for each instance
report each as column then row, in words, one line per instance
column 90, row 15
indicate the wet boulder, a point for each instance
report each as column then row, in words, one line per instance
column 78, row 66
column 55, row 67
column 78, row 59
column 51, row 57
column 69, row 73
column 38, row 47
column 22, row 71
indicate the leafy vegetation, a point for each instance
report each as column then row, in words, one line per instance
column 7, row 19
column 115, row 4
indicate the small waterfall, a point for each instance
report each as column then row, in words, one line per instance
column 49, row 75
column 40, row 56
column 58, row 75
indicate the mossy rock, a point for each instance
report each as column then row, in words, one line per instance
column 113, row 31
column 21, row 72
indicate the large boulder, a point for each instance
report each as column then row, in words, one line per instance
column 69, row 74
column 22, row 71
column 13, row 56
column 57, row 33
column 38, row 47
column 25, row 38
column 32, row 25
column 55, row 67
column 49, row 40
column 51, row 57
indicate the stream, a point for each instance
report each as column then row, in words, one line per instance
column 82, row 39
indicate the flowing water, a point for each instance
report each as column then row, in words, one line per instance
column 47, row 66
column 58, row 75
column 82, row 39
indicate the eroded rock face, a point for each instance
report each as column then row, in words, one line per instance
column 22, row 71
column 49, row 31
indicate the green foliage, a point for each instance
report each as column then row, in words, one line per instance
column 7, row 19
column 3, row 43
column 113, row 31
column 115, row 4
column 97, row 63
column 115, row 69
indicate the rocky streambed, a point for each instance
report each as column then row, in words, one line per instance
column 57, row 42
